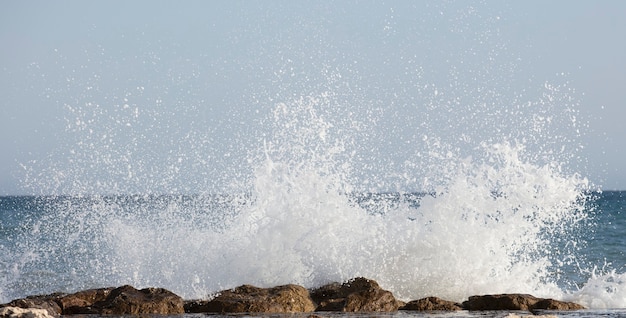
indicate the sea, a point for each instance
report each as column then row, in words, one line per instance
column 414, row 244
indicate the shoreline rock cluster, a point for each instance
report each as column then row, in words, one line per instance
column 356, row 295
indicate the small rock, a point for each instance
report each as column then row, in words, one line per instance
column 127, row 300
column 356, row 295
column 82, row 302
column 432, row 304
column 551, row 304
column 516, row 302
column 371, row 300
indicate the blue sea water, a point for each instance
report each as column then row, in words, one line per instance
column 608, row 240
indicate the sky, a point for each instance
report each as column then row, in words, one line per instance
column 109, row 95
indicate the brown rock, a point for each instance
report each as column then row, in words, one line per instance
column 432, row 304
column 122, row 300
column 82, row 302
column 371, row 300
column 326, row 292
column 127, row 300
column 551, row 304
column 356, row 295
column 247, row 298
column 500, row 302
column 46, row 302
column 516, row 302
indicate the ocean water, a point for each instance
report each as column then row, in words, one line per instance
column 186, row 244
column 197, row 245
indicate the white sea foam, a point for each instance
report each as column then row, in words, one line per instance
column 497, row 221
column 604, row 290
column 490, row 229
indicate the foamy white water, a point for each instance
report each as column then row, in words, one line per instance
column 490, row 226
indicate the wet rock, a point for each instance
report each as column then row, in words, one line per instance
column 500, row 302
column 371, row 300
column 17, row 312
column 327, row 292
column 127, row 300
column 82, row 302
column 356, row 295
column 46, row 302
column 247, row 298
column 516, row 302
column 551, row 304
column 432, row 304
column 120, row 301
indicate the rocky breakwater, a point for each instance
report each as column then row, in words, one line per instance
column 356, row 295
column 124, row 300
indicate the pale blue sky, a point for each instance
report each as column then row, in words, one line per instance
column 195, row 78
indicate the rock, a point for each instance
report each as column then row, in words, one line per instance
column 247, row 298
column 122, row 300
column 127, row 300
column 516, row 302
column 82, row 302
column 356, row 295
column 371, row 300
column 500, row 302
column 432, row 304
column 17, row 312
column 327, row 292
column 46, row 302
column 551, row 304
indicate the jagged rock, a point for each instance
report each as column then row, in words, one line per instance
column 82, row 302
column 17, row 312
column 356, row 295
column 247, row 298
column 128, row 300
column 46, row 302
column 432, row 304
column 516, row 302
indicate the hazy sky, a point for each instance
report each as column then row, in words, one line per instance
column 180, row 86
